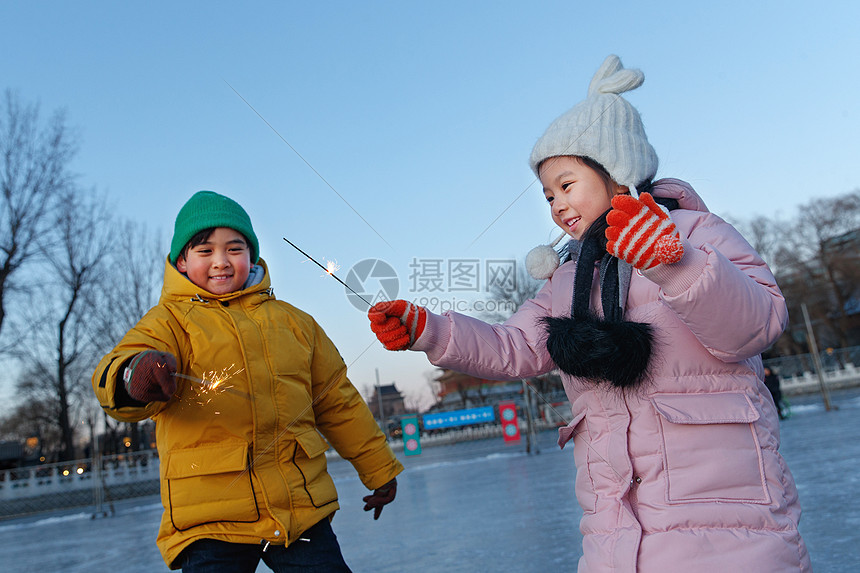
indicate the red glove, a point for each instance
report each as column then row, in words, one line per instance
column 380, row 497
column 149, row 376
column 641, row 233
column 397, row 323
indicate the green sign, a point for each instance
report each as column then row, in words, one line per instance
column 411, row 436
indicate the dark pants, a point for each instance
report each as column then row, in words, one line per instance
column 319, row 554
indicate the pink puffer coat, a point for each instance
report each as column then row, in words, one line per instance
column 683, row 474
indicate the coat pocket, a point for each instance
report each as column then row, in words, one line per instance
column 710, row 448
column 576, row 430
column 209, row 484
column 309, row 458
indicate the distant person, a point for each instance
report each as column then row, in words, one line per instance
column 241, row 385
column 657, row 319
column 771, row 380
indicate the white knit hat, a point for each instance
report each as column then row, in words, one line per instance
column 603, row 127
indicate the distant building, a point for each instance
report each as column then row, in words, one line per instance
column 17, row 454
column 457, row 390
column 392, row 402
column 829, row 285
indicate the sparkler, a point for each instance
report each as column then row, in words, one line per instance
column 329, row 269
column 215, row 384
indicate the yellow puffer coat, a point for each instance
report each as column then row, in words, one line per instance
column 242, row 458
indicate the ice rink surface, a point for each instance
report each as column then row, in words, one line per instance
column 473, row 506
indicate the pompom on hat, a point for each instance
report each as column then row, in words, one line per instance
column 542, row 261
column 207, row 209
column 605, row 128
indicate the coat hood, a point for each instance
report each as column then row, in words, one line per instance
column 682, row 191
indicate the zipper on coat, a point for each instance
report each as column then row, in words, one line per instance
column 633, row 496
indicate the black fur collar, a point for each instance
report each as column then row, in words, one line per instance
column 600, row 350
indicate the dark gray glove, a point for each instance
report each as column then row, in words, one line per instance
column 380, row 497
column 149, row 376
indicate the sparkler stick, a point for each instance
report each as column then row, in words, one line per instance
column 328, row 271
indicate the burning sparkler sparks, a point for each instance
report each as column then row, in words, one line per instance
column 330, row 269
column 214, row 381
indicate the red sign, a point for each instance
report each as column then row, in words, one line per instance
column 510, row 425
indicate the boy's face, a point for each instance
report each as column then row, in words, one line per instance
column 220, row 265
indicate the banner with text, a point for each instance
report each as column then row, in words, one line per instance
column 458, row 418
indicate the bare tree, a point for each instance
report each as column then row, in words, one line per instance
column 818, row 261
column 36, row 417
column 131, row 282
column 412, row 402
column 33, row 419
column 433, row 386
column 766, row 236
column 33, row 173
column 63, row 347
column 132, row 276
column 510, row 296
column 76, row 310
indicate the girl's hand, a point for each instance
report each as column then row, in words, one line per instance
column 397, row 323
column 641, row 233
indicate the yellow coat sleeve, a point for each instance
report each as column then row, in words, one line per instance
column 344, row 418
column 157, row 330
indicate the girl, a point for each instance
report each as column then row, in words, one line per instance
column 657, row 323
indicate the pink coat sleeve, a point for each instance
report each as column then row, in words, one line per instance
column 722, row 289
column 509, row 351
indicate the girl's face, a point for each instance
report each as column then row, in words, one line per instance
column 576, row 193
column 221, row 265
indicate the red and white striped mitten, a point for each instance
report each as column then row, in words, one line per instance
column 397, row 323
column 641, row 233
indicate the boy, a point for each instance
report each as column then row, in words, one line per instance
column 241, row 385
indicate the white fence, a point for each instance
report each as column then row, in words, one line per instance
column 78, row 483
column 805, row 382
column 838, row 370
column 63, row 477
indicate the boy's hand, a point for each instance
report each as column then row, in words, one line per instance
column 641, row 233
column 380, row 497
column 149, row 376
column 397, row 323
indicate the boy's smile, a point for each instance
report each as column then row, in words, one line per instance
column 221, row 265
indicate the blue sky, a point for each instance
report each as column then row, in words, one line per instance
column 415, row 120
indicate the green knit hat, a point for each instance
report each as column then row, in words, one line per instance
column 208, row 209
